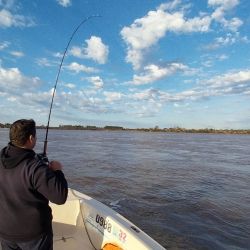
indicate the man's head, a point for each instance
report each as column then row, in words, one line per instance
column 23, row 133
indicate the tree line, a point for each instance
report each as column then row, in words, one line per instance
column 155, row 129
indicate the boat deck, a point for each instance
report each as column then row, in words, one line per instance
column 68, row 227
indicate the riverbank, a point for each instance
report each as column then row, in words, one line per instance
column 156, row 129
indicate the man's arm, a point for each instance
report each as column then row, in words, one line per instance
column 49, row 180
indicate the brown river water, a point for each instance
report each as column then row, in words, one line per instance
column 187, row 191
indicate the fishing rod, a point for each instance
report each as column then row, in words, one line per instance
column 57, row 78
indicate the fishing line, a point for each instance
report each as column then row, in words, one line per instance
column 57, row 78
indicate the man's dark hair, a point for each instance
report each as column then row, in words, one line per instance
column 21, row 130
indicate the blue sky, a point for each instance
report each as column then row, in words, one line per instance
column 141, row 64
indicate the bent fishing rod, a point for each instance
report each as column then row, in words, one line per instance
column 57, row 78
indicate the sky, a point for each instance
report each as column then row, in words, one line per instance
column 132, row 63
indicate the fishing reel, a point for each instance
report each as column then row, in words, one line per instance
column 43, row 158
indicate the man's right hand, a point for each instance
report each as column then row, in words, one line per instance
column 55, row 165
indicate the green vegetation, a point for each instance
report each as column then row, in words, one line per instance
column 155, row 129
column 205, row 130
column 6, row 125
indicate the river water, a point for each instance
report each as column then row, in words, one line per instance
column 187, row 191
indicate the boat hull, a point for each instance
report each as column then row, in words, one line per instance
column 85, row 223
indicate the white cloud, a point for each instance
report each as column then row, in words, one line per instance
column 232, row 24
column 17, row 53
column 146, row 108
column 70, row 85
column 76, row 51
column 222, row 6
column 44, row 62
column 227, row 84
column 207, row 63
column 112, row 96
column 4, row 45
column 222, row 57
column 35, row 99
column 230, row 79
column 182, row 105
column 12, row 80
column 83, row 101
column 145, row 94
column 76, row 67
column 3, row 94
column 148, row 30
column 145, row 32
column 96, row 81
column 223, row 41
column 49, row 62
column 95, row 50
column 227, row 40
column 158, row 98
column 12, row 99
column 7, row 20
column 64, row 3
column 192, row 94
column 170, row 5
column 57, row 55
column 153, row 73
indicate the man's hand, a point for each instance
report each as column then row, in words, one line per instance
column 55, row 165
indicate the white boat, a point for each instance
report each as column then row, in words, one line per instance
column 85, row 223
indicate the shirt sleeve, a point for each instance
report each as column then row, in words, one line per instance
column 51, row 184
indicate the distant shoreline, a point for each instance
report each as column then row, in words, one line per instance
column 155, row 129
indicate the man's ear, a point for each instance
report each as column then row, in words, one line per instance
column 31, row 140
column 31, row 137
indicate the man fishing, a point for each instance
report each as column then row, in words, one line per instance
column 27, row 184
